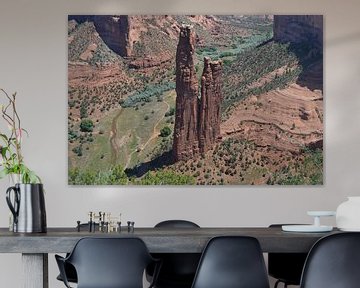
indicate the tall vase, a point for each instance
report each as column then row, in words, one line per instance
column 13, row 180
column 27, row 204
column 348, row 214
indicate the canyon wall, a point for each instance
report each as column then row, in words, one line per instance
column 197, row 121
column 299, row 28
column 115, row 32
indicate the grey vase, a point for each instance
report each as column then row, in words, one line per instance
column 27, row 207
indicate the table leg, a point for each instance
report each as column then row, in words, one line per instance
column 35, row 270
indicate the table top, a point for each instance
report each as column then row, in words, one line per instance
column 158, row 240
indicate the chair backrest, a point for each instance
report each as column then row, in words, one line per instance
column 333, row 262
column 176, row 224
column 177, row 268
column 110, row 262
column 232, row 262
column 286, row 267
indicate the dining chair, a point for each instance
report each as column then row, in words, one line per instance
column 178, row 269
column 108, row 263
column 333, row 262
column 70, row 271
column 232, row 262
column 285, row 267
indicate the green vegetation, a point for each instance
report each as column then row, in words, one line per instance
column 147, row 93
column 209, row 50
column 153, row 40
column 72, row 135
column 133, row 132
column 71, row 103
column 252, row 65
column 165, row 178
column 78, row 150
column 256, row 22
column 166, row 131
column 139, row 48
column 98, row 155
column 170, row 112
column 236, row 161
column 226, row 54
column 307, row 172
column 117, row 176
column 103, row 55
column 83, row 109
column 278, row 82
column 86, row 125
column 239, row 45
column 113, row 176
column 81, row 40
column 82, row 36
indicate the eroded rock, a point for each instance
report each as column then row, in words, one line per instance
column 185, row 144
column 210, row 101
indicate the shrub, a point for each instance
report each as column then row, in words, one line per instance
column 170, row 112
column 83, row 112
column 166, row 131
column 154, row 90
column 86, row 125
column 72, row 135
column 78, row 151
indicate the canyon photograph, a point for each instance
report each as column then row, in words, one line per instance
column 195, row 100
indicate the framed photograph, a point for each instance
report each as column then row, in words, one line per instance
column 195, row 100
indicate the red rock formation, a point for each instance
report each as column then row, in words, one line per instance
column 185, row 143
column 211, row 97
column 197, row 122
column 299, row 28
column 115, row 30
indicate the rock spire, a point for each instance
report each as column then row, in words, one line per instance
column 211, row 97
column 185, row 143
column 197, row 121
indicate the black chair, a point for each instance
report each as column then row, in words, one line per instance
column 178, row 269
column 232, row 262
column 286, row 267
column 108, row 263
column 70, row 271
column 333, row 262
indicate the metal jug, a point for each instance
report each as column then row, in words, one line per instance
column 28, row 208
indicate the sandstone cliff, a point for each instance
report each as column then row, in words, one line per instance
column 197, row 121
column 211, row 96
column 146, row 41
column 299, row 28
column 115, row 32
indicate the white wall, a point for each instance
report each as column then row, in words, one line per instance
column 33, row 62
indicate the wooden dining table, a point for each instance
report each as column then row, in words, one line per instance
column 35, row 247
